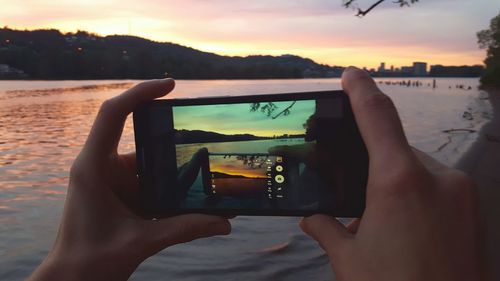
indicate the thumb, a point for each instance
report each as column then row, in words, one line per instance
column 331, row 235
column 377, row 118
column 184, row 228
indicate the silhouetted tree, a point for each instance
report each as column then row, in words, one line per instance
column 269, row 108
column 490, row 39
column 363, row 12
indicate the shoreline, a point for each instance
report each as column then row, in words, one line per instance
column 482, row 163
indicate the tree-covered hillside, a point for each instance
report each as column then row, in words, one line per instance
column 50, row 54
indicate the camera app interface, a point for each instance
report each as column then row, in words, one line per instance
column 255, row 175
column 227, row 154
column 272, row 155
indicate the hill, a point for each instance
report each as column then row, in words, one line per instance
column 50, row 54
column 199, row 136
column 219, row 175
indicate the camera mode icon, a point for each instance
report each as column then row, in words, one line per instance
column 279, row 178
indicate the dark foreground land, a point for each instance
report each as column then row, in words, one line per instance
column 482, row 162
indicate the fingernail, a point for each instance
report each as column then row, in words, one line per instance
column 350, row 68
column 303, row 224
column 220, row 227
column 167, row 80
column 223, row 228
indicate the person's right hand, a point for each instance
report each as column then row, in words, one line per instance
column 420, row 221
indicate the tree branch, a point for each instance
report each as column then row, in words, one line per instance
column 362, row 13
column 348, row 3
column 284, row 110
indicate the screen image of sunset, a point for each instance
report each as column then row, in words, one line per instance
column 233, row 166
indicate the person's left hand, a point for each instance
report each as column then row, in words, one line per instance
column 102, row 235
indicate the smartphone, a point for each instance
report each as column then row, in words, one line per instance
column 291, row 154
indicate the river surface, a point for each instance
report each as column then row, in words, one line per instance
column 43, row 125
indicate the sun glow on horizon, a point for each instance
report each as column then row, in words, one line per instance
column 276, row 27
column 234, row 171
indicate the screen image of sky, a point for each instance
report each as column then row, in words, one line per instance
column 230, row 119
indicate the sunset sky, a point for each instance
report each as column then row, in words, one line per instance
column 435, row 31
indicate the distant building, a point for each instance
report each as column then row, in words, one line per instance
column 420, row 68
column 407, row 70
column 456, row 71
column 381, row 68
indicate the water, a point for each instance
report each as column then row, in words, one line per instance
column 184, row 152
column 43, row 125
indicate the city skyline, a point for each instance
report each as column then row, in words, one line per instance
column 320, row 30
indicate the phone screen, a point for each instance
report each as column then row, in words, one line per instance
column 287, row 156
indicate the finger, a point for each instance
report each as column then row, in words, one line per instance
column 429, row 163
column 106, row 131
column 376, row 116
column 332, row 236
column 130, row 161
column 127, row 188
column 184, row 228
column 353, row 226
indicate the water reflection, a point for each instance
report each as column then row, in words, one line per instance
column 41, row 131
column 39, row 142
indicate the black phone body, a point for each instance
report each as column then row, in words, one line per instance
column 292, row 154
